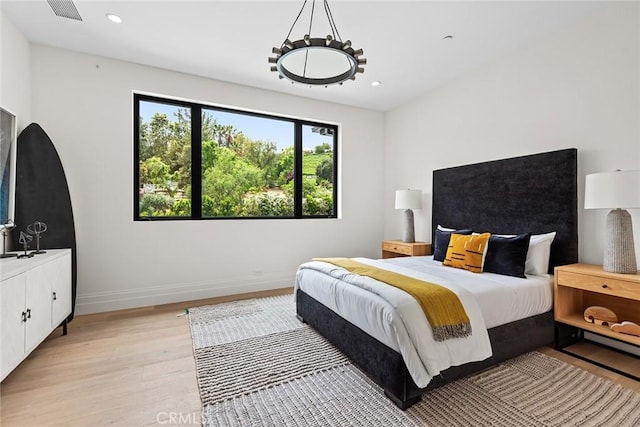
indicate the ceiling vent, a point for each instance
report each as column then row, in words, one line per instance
column 65, row 9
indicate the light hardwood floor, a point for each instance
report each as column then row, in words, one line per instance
column 126, row 368
column 132, row 368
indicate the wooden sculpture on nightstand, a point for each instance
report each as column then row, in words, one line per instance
column 600, row 315
column 626, row 327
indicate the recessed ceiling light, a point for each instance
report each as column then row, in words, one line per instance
column 376, row 83
column 114, row 18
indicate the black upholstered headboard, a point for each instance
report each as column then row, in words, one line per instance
column 536, row 193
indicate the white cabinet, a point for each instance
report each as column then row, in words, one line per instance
column 12, row 300
column 35, row 298
column 60, row 291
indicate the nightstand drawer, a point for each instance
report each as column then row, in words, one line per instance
column 397, row 248
column 602, row 285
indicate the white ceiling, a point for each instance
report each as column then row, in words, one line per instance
column 231, row 40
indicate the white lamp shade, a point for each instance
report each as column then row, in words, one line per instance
column 408, row 199
column 612, row 190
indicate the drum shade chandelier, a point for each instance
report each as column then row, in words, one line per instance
column 317, row 61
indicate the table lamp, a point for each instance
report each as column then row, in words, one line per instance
column 617, row 190
column 408, row 199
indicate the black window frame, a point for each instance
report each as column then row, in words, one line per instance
column 196, row 160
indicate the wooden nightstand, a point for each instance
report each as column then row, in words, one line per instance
column 398, row 248
column 578, row 286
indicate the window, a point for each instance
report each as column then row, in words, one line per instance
column 196, row 161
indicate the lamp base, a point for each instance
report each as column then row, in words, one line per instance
column 619, row 251
column 408, row 235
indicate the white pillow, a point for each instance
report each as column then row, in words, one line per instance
column 538, row 255
column 441, row 228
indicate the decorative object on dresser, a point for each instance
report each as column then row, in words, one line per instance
column 397, row 248
column 581, row 289
column 24, row 240
column 42, row 194
column 37, row 228
column 618, row 191
column 408, row 200
column 35, row 298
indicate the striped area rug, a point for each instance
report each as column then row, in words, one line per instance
column 257, row 365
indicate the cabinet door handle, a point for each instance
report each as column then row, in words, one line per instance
column 604, row 286
column 55, row 297
column 28, row 313
column 24, row 317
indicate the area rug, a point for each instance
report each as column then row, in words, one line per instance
column 258, row 365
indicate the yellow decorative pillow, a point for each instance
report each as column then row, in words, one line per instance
column 467, row 251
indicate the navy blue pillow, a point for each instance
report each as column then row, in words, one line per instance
column 507, row 255
column 441, row 242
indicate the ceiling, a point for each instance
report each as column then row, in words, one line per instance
column 404, row 42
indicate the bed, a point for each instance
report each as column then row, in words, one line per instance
column 530, row 194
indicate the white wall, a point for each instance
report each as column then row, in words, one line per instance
column 85, row 104
column 576, row 89
column 579, row 88
column 15, row 72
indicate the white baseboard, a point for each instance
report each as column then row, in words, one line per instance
column 87, row 303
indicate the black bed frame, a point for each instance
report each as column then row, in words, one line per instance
column 535, row 193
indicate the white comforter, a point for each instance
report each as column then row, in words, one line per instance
column 405, row 326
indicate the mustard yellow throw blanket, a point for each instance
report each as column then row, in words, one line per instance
column 442, row 307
